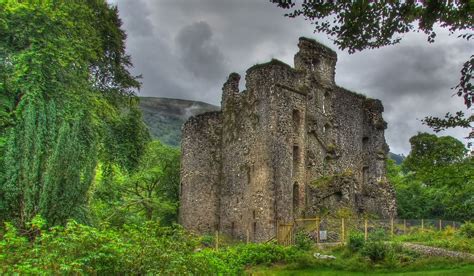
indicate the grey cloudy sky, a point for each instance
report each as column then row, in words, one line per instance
column 186, row 48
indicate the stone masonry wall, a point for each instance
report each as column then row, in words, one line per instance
column 292, row 144
column 200, row 186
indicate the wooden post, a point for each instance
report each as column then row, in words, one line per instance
column 404, row 226
column 391, row 226
column 248, row 235
column 318, row 228
column 454, row 225
column 342, row 231
column 276, row 232
column 366, row 233
column 217, row 240
column 422, row 224
column 440, row 225
column 292, row 238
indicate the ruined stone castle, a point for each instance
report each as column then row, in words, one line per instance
column 292, row 144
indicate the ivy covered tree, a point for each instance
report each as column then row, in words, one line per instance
column 65, row 93
column 360, row 25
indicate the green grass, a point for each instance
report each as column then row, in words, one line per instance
column 398, row 261
column 382, row 255
column 448, row 239
column 283, row 270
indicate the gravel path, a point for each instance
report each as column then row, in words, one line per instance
column 436, row 251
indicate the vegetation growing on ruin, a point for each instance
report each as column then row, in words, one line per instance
column 331, row 148
column 322, row 182
column 327, row 180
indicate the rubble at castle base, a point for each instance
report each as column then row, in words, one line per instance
column 292, row 144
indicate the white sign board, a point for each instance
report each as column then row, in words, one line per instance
column 323, row 235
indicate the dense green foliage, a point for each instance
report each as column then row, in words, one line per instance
column 65, row 104
column 436, row 180
column 77, row 248
column 153, row 249
column 132, row 249
column 467, row 230
column 149, row 193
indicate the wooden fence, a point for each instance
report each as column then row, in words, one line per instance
column 332, row 230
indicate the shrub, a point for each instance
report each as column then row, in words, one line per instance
column 207, row 240
column 356, row 241
column 303, row 241
column 233, row 260
column 467, row 230
column 378, row 235
column 375, row 250
column 80, row 249
column 136, row 249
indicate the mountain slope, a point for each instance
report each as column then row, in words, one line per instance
column 164, row 117
column 396, row 157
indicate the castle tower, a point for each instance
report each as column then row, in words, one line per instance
column 292, row 144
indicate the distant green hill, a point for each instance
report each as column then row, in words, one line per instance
column 397, row 157
column 164, row 117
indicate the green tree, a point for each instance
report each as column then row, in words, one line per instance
column 151, row 192
column 64, row 83
column 154, row 188
column 436, row 180
column 412, row 198
column 359, row 25
column 430, row 155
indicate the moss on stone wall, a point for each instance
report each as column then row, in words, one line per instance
column 322, row 182
column 327, row 180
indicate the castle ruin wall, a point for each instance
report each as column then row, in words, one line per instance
column 292, row 144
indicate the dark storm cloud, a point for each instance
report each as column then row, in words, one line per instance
column 136, row 17
column 413, row 80
column 194, row 45
column 408, row 69
column 185, row 48
column 199, row 54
